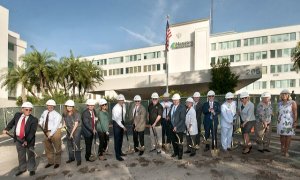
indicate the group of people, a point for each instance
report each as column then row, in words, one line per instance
column 168, row 121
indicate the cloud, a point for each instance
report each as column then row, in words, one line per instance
column 139, row 36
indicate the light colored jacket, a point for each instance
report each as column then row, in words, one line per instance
column 228, row 111
column 140, row 117
column 190, row 119
column 247, row 114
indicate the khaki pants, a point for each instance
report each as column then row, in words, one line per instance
column 159, row 134
column 53, row 155
column 262, row 136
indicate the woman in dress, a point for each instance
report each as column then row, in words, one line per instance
column 71, row 120
column 287, row 120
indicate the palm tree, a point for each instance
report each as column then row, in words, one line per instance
column 40, row 65
column 296, row 57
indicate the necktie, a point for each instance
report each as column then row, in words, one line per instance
column 122, row 116
column 173, row 111
column 46, row 123
column 22, row 129
column 93, row 120
column 134, row 114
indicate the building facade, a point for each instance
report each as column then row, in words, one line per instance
column 12, row 47
column 261, row 58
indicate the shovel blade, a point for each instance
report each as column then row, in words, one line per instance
column 214, row 152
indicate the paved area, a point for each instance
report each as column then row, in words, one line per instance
column 234, row 165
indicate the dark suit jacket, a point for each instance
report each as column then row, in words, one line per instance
column 179, row 118
column 30, row 128
column 86, row 128
column 198, row 110
column 207, row 114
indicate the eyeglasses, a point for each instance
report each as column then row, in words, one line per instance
column 229, row 99
column 243, row 98
column 104, row 105
column 154, row 99
column 211, row 96
column 28, row 110
column 137, row 101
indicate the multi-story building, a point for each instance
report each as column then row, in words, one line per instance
column 11, row 48
column 261, row 58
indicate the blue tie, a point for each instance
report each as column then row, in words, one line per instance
column 173, row 111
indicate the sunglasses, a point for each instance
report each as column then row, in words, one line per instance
column 104, row 105
column 137, row 101
column 229, row 99
column 154, row 99
column 211, row 96
column 243, row 98
column 28, row 110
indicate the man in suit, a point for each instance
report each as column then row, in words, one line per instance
column 198, row 108
column 118, row 117
column 88, row 126
column 25, row 126
column 177, row 117
column 51, row 122
column 211, row 110
column 137, row 114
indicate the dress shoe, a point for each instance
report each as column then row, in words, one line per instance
column 120, row 159
column 123, row 154
column 159, row 151
column 141, row 153
column 78, row 163
column 187, row 151
column 19, row 173
column 246, row 151
column 56, row 166
column 32, row 173
column 229, row 149
column 69, row 161
column 260, row 150
column 152, row 150
column 206, row 149
column 179, row 158
column 192, row 154
column 174, row 155
column 267, row 150
column 48, row 165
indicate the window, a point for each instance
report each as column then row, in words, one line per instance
column 264, row 70
column 264, row 55
column 152, row 55
column 237, row 58
column 283, row 37
column 213, row 60
column 264, row 39
column 153, row 67
column 164, row 66
column 272, row 68
column 11, row 46
column 272, row 53
column 130, row 58
column 114, row 72
column 213, row 46
column 158, row 67
column 279, row 53
column 115, row 60
column 287, row 83
column 104, row 72
column 230, row 44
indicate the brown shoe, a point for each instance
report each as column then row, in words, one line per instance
column 246, row 150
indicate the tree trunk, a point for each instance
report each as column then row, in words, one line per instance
column 23, row 95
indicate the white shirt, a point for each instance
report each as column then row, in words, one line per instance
column 166, row 105
column 18, row 128
column 117, row 114
column 228, row 110
column 191, row 120
column 54, row 121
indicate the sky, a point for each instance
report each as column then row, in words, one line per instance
column 91, row 27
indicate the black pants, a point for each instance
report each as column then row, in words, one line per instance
column 118, row 138
column 72, row 149
column 166, row 131
column 198, row 136
column 138, row 138
column 88, row 146
column 208, row 126
column 178, row 149
column 103, row 142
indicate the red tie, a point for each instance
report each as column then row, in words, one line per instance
column 93, row 123
column 22, row 129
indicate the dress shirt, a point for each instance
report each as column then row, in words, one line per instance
column 117, row 114
column 19, row 124
column 54, row 121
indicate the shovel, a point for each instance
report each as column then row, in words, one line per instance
column 93, row 156
column 10, row 135
column 48, row 139
column 215, row 151
column 130, row 150
column 193, row 144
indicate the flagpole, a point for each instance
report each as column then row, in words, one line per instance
column 211, row 15
column 166, row 55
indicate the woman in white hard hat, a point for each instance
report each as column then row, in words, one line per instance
column 287, row 120
column 247, row 117
column 264, row 112
column 71, row 120
column 102, row 127
column 137, row 115
column 228, row 111
column 191, row 126
column 198, row 108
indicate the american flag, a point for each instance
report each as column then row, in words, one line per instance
column 168, row 35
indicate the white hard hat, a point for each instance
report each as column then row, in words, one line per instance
column 211, row 93
column 266, row 94
column 176, row 96
column 137, row 98
column 102, row 101
column 285, row 91
column 121, row 97
column 244, row 94
column 50, row 102
column 27, row 105
column 196, row 94
column 229, row 95
column 190, row 99
column 70, row 103
column 90, row 102
column 154, row 95
column 166, row 95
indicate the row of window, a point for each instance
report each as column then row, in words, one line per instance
column 282, row 68
column 130, row 58
column 134, row 69
column 254, row 41
column 278, row 53
column 287, row 83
